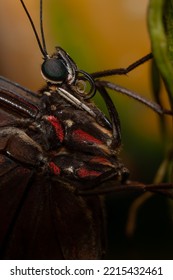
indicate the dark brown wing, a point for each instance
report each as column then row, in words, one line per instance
column 40, row 216
column 44, row 219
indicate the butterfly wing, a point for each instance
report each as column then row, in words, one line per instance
column 44, row 219
column 41, row 216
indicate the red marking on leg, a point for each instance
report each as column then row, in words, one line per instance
column 81, row 135
column 54, row 168
column 83, row 172
column 57, row 126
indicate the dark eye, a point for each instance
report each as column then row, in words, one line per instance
column 54, row 70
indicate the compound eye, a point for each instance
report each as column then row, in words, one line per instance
column 54, row 70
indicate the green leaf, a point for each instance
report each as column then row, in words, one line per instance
column 160, row 22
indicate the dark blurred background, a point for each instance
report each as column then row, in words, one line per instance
column 101, row 35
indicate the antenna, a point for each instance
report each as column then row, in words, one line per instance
column 42, row 46
column 41, row 27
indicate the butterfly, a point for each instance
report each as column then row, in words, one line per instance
column 59, row 154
